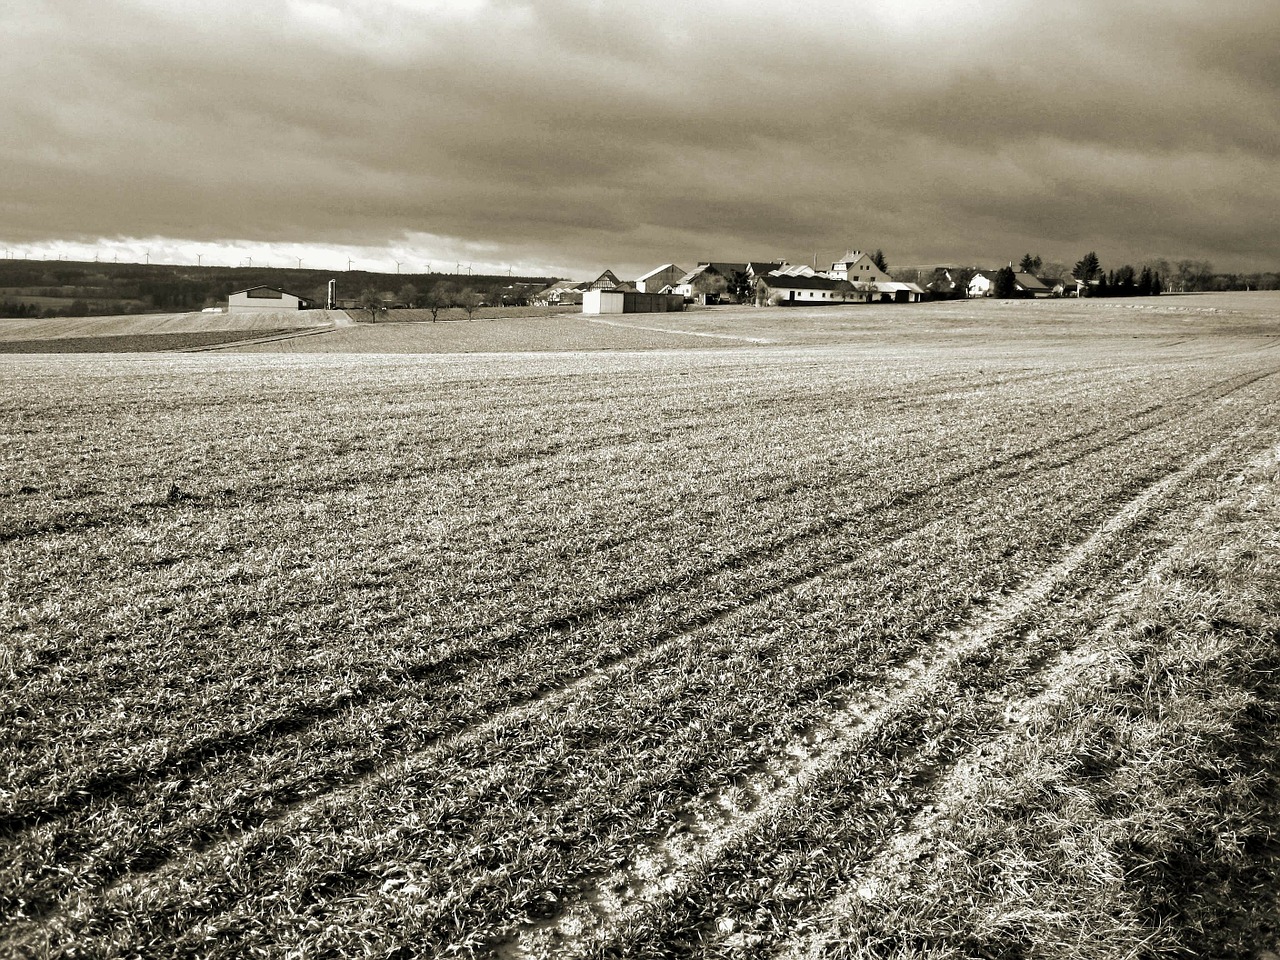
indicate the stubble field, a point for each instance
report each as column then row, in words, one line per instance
column 921, row 634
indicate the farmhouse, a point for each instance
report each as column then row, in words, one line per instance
column 265, row 298
column 606, row 281
column 1029, row 285
column 1025, row 285
column 981, row 284
column 857, row 267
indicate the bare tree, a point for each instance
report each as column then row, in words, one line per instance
column 438, row 298
column 371, row 300
column 469, row 300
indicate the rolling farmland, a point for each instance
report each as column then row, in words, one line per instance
column 909, row 632
column 157, row 331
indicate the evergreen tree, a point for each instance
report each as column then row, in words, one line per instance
column 1087, row 270
column 1157, row 285
column 1030, row 264
column 1144, row 282
column 1123, row 282
column 1005, row 286
column 878, row 259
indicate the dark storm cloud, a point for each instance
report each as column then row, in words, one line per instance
column 587, row 134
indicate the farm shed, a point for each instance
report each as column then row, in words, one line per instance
column 620, row 301
column 265, row 298
column 895, row 291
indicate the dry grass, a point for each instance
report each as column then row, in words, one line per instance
column 332, row 655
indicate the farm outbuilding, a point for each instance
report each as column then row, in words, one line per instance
column 620, row 301
column 667, row 275
column 265, row 298
column 780, row 289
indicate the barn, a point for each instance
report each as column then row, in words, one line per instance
column 265, row 298
column 667, row 275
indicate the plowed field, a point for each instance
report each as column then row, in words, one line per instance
column 951, row 638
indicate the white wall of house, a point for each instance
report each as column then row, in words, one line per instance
column 792, row 295
column 980, row 285
column 857, row 267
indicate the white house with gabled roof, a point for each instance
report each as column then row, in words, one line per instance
column 857, row 267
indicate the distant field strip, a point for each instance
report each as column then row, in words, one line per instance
column 689, row 333
column 627, row 654
column 156, row 324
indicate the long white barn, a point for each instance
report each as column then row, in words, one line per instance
column 265, row 298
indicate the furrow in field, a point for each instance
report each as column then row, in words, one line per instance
column 667, row 872
column 230, row 498
column 430, row 766
column 546, row 694
column 801, row 576
column 183, row 762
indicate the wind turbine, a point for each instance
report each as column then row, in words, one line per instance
column 199, row 259
column 299, row 259
column 397, row 267
column 348, row 264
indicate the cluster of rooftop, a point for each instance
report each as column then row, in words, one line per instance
column 855, row 278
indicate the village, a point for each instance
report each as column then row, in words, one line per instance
column 857, row 277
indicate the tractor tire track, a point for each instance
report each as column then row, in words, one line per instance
column 1064, row 670
column 665, row 871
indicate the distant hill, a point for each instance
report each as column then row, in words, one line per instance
column 47, row 288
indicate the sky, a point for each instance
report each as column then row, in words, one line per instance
column 563, row 137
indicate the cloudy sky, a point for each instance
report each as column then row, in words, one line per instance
column 566, row 136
